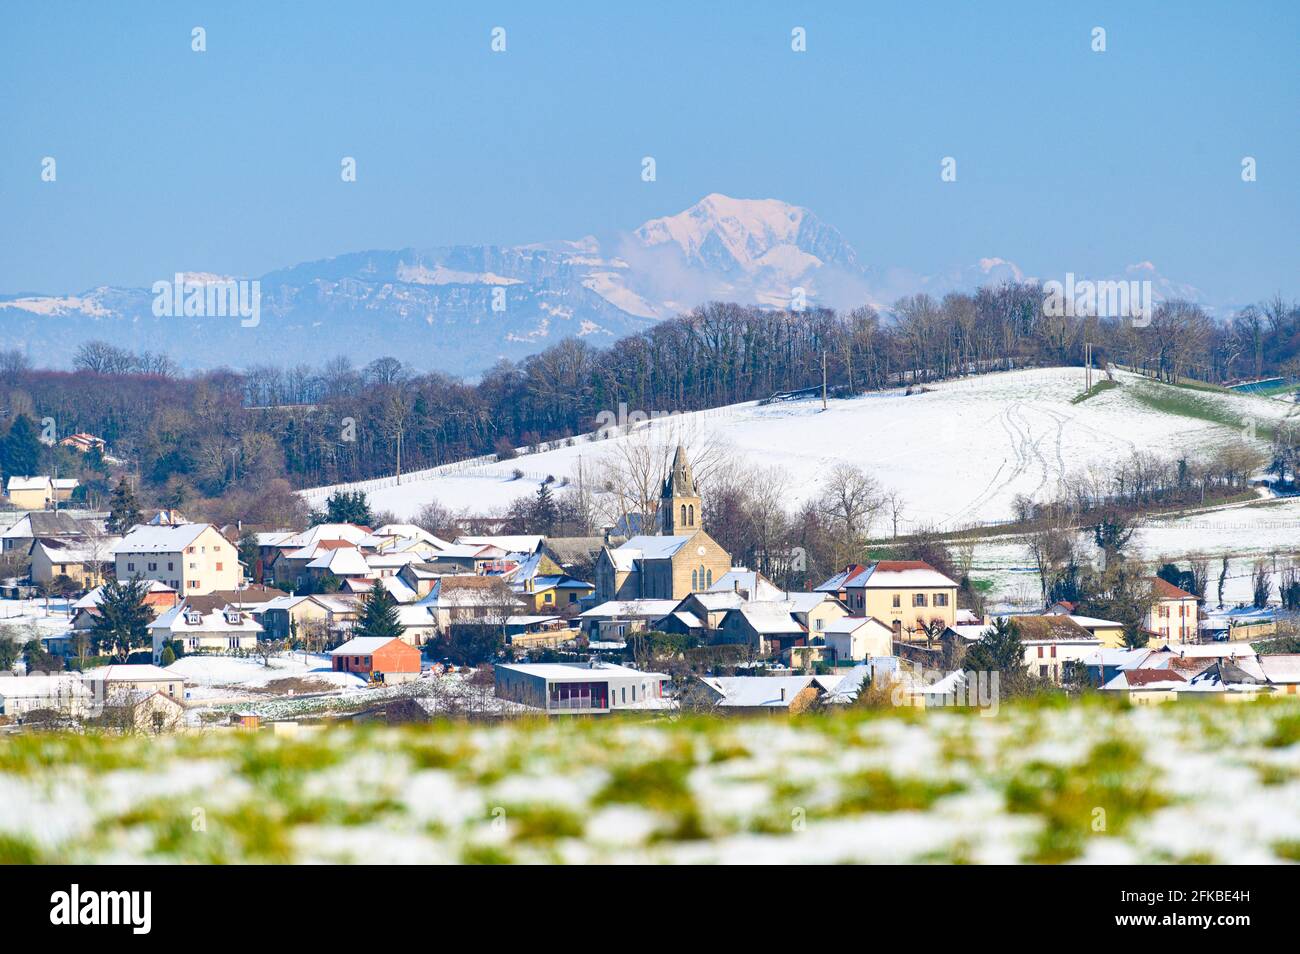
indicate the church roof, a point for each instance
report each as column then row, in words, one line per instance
column 680, row 482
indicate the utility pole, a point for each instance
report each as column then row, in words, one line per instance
column 823, row 379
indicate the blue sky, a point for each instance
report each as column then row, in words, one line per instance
column 228, row 161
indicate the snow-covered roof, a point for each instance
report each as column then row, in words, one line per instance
column 770, row 618
column 414, row 616
column 28, row 483
column 651, row 548
column 561, row 672
column 1146, row 679
column 899, row 574
column 1118, row 658
column 518, row 543
column 1092, row 622
column 76, row 551
column 850, row 624
column 52, row 686
column 409, row 531
column 349, row 532
column 752, row 692
column 146, row 539
column 1237, row 650
column 632, row 609
column 750, row 583
column 176, row 620
column 345, row 561
column 363, row 645
column 689, row 620
column 94, row 597
column 715, row 602
column 974, row 633
column 1281, row 668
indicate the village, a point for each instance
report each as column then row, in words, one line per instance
column 152, row 623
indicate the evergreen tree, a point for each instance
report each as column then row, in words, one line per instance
column 123, row 510
column 379, row 614
column 20, row 451
column 167, row 657
column 123, row 620
column 344, row 507
column 544, row 511
column 1000, row 650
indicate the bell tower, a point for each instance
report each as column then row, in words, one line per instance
column 680, row 507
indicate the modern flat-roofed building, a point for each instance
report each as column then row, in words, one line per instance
column 591, row 688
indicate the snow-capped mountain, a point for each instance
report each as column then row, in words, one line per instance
column 461, row 308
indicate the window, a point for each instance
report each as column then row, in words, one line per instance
column 130, row 566
column 1040, row 652
column 683, row 515
column 152, row 567
column 691, row 512
column 710, row 582
column 218, row 567
column 189, row 549
column 940, row 599
column 695, row 579
column 171, row 566
column 898, row 601
column 194, row 584
column 1053, row 652
column 918, row 599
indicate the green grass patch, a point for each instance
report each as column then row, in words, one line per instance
column 1103, row 385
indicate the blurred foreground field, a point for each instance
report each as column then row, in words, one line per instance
column 1065, row 781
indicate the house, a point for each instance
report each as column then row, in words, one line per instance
column 544, row 586
column 63, row 693
column 392, row 534
column 52, row 524
column 143, row 711
column 217, row 631
column 84, row 442
column 469, row 599
column 526, row 543
column 158, row 596
column 769, row 628
column 105, row 682
column 573, row 688
column 858, row 638
column 1174, row 613
column 290, row 617
column 682, row 559
column 396, row 588
column 1053, row 644
column 1282, row 670
column 1147, row 686
column 30, row 493
column 525, row 632
column 910, row 596
column 382, row 658
column 748, row 584
column 284, row 556
column 82, row 560
column 765, row 694
column 1110, row 632
column 613, row 620
column 418, row 624
column 193, row 558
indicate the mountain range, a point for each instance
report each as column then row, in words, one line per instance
column 461, row 308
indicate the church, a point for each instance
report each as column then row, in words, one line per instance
column 681, row 559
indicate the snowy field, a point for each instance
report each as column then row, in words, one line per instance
column 958, row 454
column 1087, row 782
column 1267, row 529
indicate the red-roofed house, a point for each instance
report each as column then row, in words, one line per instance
column 1173, row 615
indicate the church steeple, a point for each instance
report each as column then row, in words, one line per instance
column 679, row 503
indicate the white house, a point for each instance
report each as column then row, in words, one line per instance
column 219, row 631
column 859, row 637
column 60, row 692
column 580, row 688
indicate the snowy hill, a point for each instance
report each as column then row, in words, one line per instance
column 958, row 454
